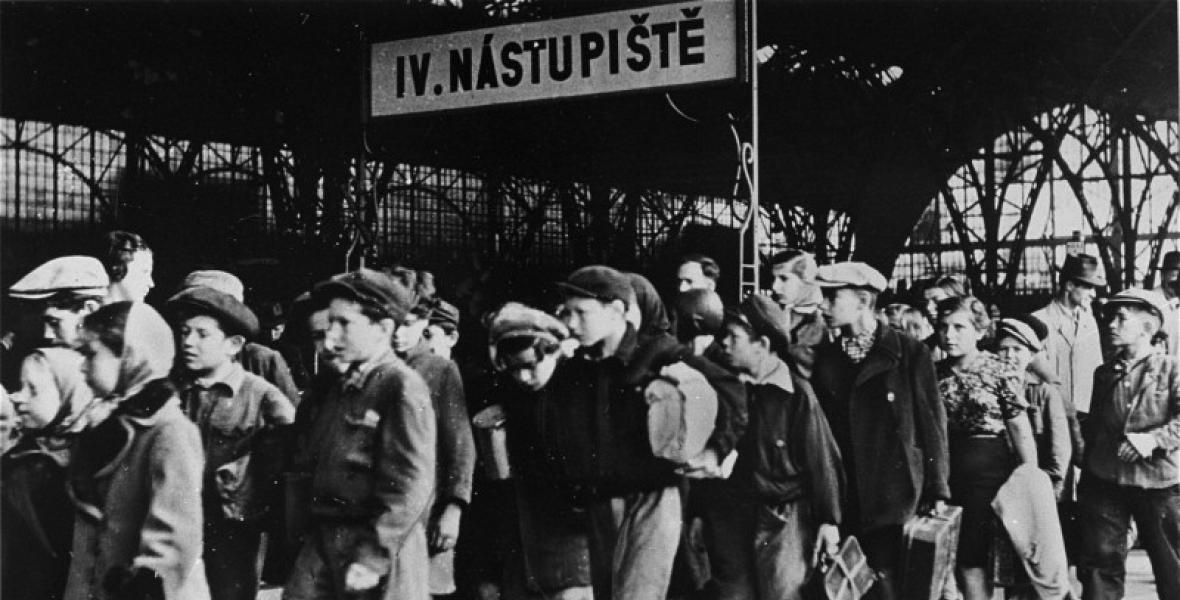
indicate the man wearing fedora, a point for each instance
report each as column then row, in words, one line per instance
column 1074, row 345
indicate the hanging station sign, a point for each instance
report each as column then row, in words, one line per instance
column 664, row 46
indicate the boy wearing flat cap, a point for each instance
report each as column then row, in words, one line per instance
column 877, row 388
column 525, row 345
column 241, row 417
column 1019, row 339
column 1131, row 454
column 68, row 288
column 783, row 510
column 597, row 436
column 456, row 447
column 443, row 330
column 369, row 451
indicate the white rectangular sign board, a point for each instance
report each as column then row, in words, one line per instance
column 646, row 48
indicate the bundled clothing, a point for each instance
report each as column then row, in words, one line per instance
column 1026, row 507
column 135, row 479
column 369, row 451
column 1131, row 396
column 456, row 449
column 37, row 527
column 241, row 418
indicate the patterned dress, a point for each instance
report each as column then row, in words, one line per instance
column 979, row 397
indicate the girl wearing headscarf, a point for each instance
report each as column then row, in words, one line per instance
column 37, row 531
column 135, row 477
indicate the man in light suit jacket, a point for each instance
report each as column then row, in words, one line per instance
column 1074, row 345
column 1074, row 350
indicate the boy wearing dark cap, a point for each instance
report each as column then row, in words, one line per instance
column 783, row 509
column 256, row 358
column 597, row 437
column 443, row 331
column 369, row 453
column 456, row 447
column 877, row 388
column 1132, row 452
column 240, row 416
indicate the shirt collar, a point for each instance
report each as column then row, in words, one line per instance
column 1123, row 364
column 779, row 376
column 231, row 378
column 357, row 376
column 624, row 352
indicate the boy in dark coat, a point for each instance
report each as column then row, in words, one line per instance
column 783, row 509
column 877, row 388
column 456, row 447
column 598, row 442
column 369, row 451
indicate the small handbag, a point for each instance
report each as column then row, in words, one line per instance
column 846, row 576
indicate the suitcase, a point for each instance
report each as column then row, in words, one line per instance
column 930, row 545
column 843, row 577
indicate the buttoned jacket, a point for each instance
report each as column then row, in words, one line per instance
column 1141, row 398
column 1074, row 348
column 370, row 448
column 890, row 425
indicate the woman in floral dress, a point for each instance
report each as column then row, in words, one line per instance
column 988, row 432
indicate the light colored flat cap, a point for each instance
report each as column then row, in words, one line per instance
column 79, row 275
column 851, row 275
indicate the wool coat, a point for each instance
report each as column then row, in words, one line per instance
column 890, row 425
column 143, row 507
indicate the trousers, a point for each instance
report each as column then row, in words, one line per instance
column 231, row 558
column 1107, row 509
column 633, row 541
column 759, row 551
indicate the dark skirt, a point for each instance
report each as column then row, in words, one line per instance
column 979, row 466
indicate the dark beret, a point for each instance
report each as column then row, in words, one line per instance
column 599, row 282
column 374, row 289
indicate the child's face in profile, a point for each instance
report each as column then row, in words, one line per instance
column 102, row 364
column 38, row 401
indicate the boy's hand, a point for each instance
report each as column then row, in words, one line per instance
column 1137, row 446
column 360, row 578
column 443, row 532
column 703, row 466
column 827, row 543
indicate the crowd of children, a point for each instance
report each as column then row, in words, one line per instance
column 683, row 449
